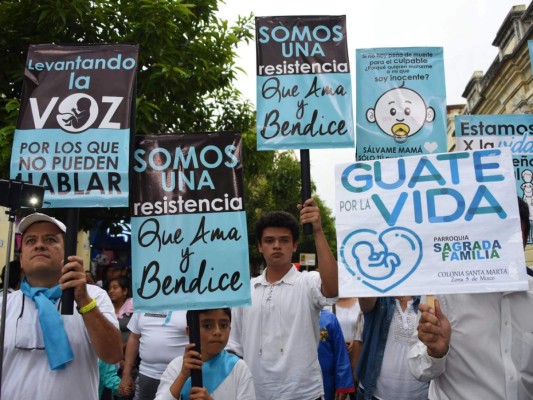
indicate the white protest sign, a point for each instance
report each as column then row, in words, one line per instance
column 433, row 224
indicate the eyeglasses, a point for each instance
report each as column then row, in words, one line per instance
column 28, row 334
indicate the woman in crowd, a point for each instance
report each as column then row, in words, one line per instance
column 119, row 293
column 383, row 371
column 347, row 310
column 15, row 277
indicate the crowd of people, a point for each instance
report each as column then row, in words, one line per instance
column 297, row 340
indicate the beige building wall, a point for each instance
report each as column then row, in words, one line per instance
column 4, row 236
column 507, row 86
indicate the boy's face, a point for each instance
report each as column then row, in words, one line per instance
column 277, row 246
column 215, row 327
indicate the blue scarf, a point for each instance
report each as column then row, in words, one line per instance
column 214, row 371
column 56, row 342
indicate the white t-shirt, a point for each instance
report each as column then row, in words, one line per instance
column 347, row 317
column 238, row 385
column 395, row 380
column 359, row 325
column 491, row 348
column 278, row 336
column 163, row 338
column 26, row 373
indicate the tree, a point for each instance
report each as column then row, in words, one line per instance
column 185, row 71
column 272, row 182
column 186, row 60
column 185, row 82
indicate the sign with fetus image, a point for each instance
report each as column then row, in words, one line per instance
column 74, row 126
column 401, row 102
column 431, row 224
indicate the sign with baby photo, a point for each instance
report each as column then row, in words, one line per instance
column 401, row 102
column 431, row 224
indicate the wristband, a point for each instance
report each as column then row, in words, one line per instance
column 88, row 307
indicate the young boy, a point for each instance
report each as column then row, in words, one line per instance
column 278, row 335
column 225, row 376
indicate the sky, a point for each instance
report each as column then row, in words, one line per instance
column 464, row 28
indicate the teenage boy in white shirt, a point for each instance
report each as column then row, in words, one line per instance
column 278, row 335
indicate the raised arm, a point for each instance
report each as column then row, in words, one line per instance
column 430, row 345
column 367, row 304
column 191, row 360
column 310, row 213
column 105, row 337
column 434, row 330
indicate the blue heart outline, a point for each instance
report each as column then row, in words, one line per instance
column 375, row 255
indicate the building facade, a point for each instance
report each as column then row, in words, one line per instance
column 507, row 86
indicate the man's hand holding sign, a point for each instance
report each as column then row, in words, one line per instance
column 434, row 330
column 417, row 225
column 445, row 225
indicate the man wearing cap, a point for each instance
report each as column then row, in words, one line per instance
column 48, row 355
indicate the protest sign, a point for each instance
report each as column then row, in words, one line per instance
column 432, row 224
column 523, row 171
column 513, row 131
column 73, row 131
column 304, row 96
column 401, row 102
column 189, row 237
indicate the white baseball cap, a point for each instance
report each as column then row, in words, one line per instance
column 38, row 217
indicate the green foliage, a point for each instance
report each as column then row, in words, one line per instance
column 272, row 182
column 8, row 113
column 185, row 83
column 186, row 62
column 186, row 59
